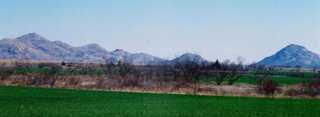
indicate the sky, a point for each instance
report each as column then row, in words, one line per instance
column 214, row 29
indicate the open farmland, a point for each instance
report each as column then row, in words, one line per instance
column 28, row 101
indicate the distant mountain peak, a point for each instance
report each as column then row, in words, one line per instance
column 294, row 49
column 294, row 46
column 92, row 46
column 118, row 50
column 292, row 55
column 31, row 36
column 189, row 56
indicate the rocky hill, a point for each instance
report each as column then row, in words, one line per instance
column 188, row 56
column 293, row 55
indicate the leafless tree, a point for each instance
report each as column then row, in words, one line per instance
column 220, row 71
column 51, row 73
column 315, row 69
column 91, row 69
column 124, row 68
column 259, row 74
column 206, row 69
column 236, row 70
column 165, row 70
column 194, row 68
column 176, row 70
column 23, row 67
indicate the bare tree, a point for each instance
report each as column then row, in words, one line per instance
column 165, row 70
column 124, row 68
column 176, row 70
column 236, row 70
column 194, row 68
column 315, row 69
column 137, row 71
column 259, row 74
column 206, row 69
column 220, row 71
column 91, row 69
column 23, row 67
column 51, row 74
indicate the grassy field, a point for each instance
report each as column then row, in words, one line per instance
column 27, row 101
column 279, row 80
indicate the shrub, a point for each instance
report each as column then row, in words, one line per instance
column 180, row 83
column 131, row 82
column 5, row 74
column 308, row 89
column 74, row 80
column 312, row 89
column 268, row 87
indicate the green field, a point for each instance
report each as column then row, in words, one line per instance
column 279, row 80
column 26, row 101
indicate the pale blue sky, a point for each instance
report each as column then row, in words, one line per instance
column 214, row 29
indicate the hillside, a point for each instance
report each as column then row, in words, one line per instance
column 293, row 55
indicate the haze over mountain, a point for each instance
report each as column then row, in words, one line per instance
column 293, row 55
column 35, row 47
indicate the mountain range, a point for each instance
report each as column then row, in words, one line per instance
column 35, row 47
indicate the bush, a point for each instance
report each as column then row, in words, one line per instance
column 5, row 73
column 268, row 87
column 180, row 83
column 74, row 80
column 131, row 82
column 312, row 89
column 308, row 89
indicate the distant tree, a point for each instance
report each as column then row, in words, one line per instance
column 124, row 68
column 165, row 70
column 206, row 69
column 63, row 63
column 298, row 67
column 235, row 73
column 259, row 74
column 91, row 69
column 220, row 71
column 194, row 68
column 51, row 73
column 315, row 69
column 176, row 69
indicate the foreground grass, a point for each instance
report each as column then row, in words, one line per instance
column 26, row 101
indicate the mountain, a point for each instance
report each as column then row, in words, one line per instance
column 35, row 47
column 137, row 58
column 292, row 55
column 188, row 56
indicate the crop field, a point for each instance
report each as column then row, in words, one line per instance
column 280, row 80
column 29, row 101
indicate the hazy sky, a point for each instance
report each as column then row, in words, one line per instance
column 214, row 29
